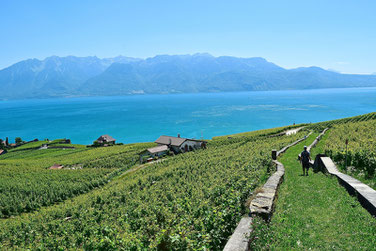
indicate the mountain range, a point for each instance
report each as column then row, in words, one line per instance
column 92, row 76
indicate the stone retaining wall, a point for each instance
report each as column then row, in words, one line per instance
column 314, row 143
column 262, row 205
column 313, row 163
column 292, row 144
column 365, row 194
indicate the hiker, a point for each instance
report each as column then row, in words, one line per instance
column 305, row 157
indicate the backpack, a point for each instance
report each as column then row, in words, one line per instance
column 305, row 156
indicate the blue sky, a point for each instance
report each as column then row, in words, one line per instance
column 339, row 35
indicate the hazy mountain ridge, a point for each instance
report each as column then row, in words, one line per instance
column 92, row 76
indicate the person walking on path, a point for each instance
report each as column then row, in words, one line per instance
column 305, row 157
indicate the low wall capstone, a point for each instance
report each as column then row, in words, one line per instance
column 239, row 240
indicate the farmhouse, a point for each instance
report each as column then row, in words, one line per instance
column 174, row 144
column 154, row 152
column 180, row 145
column 106, row 139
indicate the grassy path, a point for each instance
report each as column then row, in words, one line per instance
column 314, row 212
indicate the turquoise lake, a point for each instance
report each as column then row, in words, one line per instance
column 145, row 117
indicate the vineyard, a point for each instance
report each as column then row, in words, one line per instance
column 26, row 183
column 53, row 143
column 361, row 148
column 189, row 201
column 318, row 127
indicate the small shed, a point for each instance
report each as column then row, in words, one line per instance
column 154, row 152
column 2, row 151
column 106, row 139
column 56, row 167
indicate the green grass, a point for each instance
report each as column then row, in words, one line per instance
column 314, row 212
column 319, row 148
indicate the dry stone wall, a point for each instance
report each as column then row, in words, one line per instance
column 262, row 205
column 365, row 194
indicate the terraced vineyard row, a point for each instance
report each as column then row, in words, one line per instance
column 26, row 184
column 191, row 201
column 248, row 136
column 328, row 124
column 53, row 143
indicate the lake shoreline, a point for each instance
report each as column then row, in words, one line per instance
column 143, row 118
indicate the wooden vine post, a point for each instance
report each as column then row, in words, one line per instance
column 274, row 154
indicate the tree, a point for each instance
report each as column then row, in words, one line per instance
column 18, row 140
column 96, row 144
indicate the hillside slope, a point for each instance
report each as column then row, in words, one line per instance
column 188, row 201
